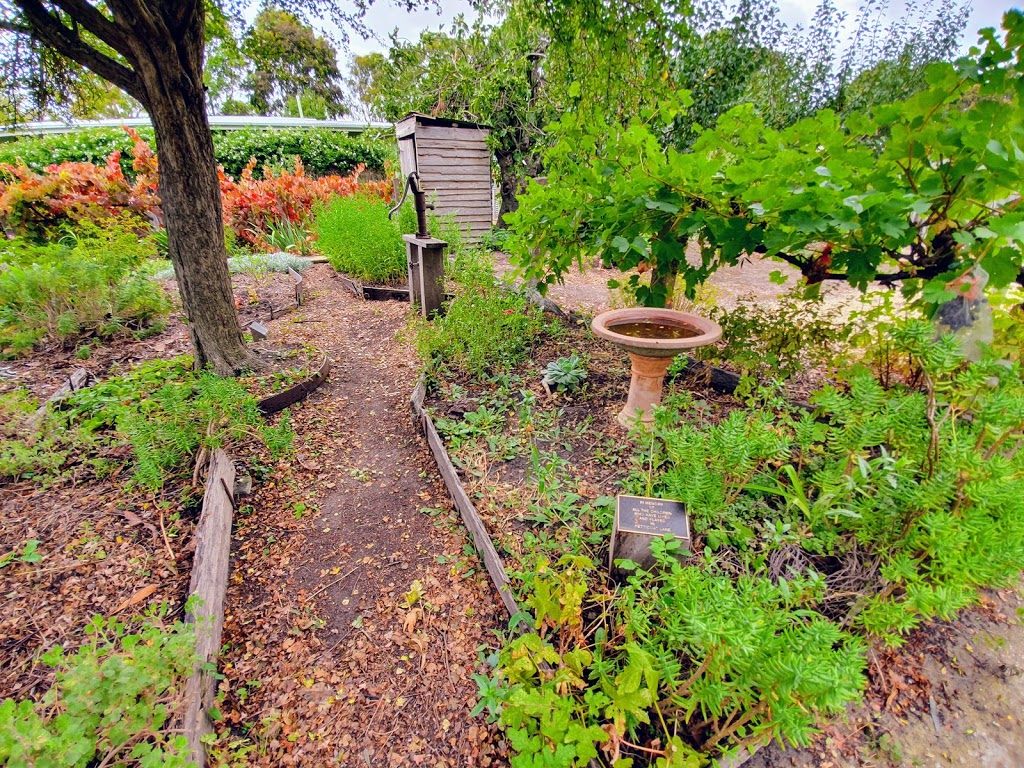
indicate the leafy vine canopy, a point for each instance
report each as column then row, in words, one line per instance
column 915, row 192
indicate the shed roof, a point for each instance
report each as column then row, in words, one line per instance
column 406, row 125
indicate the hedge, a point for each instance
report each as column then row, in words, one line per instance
column 323, row 152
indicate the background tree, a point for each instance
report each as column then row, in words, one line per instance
column 291, row 62
column 481, row 73
column 226, row 67
column 153, row 51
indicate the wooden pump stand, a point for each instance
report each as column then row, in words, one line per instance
column 426, row 272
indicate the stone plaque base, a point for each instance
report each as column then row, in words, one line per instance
column 638, row 521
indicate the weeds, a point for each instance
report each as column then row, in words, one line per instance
column 112, row 703
column 485, row 328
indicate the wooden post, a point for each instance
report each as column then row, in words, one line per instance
column 209, row 585
column 412, row 257
column 426, row 273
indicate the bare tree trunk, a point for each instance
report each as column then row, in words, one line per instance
column 190, row 196
column 509, row 185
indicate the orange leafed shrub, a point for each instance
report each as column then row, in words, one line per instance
column 36, row 204
column 252, row 206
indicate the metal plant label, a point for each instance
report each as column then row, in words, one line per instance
column 638, row 521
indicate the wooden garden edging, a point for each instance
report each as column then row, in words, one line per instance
column 378, row 293
column 278, row 402
column 481, row 539
column 470, row 517
column 209, row 585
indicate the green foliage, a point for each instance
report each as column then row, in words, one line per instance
column 929, row 484
column 485, row 328
column 875, row 187
column 1008, row 323
column 495, row 239
column 324, row 152
column 255, row 264
column 113, row 700
column 738, row 661
column 355, row 234
column 163, row 409
column 92, row 145
column 96, row 284
column 777, row 340
column 565, row 373
column 288, row 236
column 168, row 413
column 290, row 59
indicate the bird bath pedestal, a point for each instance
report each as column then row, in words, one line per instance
column 652, row 337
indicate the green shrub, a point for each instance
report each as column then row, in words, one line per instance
column 113, row 701
column 357, row 237
column 93, row 145
column 776, row 340
column 323, row 151
column 97, row 282
column 485, row 328
column 739, row 662
column 933, row 500
column 163, row 409
column 168, row 413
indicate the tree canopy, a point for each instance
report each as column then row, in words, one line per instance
column 289, row 63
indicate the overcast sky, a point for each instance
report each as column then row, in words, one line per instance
column 382, row 18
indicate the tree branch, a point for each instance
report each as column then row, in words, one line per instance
column 96, row 23
column 49, row 31
column 883, row 278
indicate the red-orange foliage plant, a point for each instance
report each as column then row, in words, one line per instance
column 253, row 206
column 37, row 204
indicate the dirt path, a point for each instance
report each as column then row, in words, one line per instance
column 355, row 596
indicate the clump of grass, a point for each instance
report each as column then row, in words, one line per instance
column 96, row 283
column 486, row 327
column 358, row 238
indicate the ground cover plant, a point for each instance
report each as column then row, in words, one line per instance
column 112, row 699
column 818, row 532
column 168, row 415
column 97, row 282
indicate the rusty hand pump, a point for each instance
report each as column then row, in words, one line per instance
column 419, row 203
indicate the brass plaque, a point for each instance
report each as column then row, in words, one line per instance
column 655, row 517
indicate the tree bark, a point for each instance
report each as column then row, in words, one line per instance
column 509, row 185
column 171, row 75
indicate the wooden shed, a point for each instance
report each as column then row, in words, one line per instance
column 454, row 164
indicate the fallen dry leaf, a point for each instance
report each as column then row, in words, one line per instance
column 138, row 597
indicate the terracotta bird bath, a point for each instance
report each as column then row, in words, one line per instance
column 652, row 337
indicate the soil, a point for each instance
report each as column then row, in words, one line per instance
column 361, row 613
column 356, row 609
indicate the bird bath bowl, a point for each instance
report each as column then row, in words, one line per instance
column 652, row 337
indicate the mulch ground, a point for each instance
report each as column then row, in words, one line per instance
column 357, row 610
column 361, row 613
